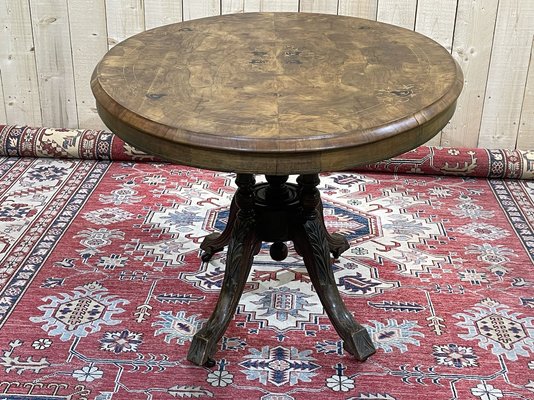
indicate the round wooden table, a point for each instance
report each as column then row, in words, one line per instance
column 277, row 94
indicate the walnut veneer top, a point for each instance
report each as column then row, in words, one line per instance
column 277, row 93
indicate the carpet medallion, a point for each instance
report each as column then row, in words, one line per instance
column 102, row 286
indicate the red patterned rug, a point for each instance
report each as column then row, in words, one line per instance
column 102, row 286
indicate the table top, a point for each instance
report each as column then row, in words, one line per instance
column 277, row 93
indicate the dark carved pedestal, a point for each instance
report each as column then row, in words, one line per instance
column 277, row 212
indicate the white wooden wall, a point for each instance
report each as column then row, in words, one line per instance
column 48, row 49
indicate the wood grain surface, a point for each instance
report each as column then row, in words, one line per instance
column 277, row 93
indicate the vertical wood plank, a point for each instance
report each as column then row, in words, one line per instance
column 87, row 19
column 21, row 100
column 125, row 18
column 319, row 6
column 162, row 12
column 271, row 5
column 397, row 12
column 473, row 38
column 435, row 19
column 232, row 6
column 507, row 74
column 525, row 139
column 361, row 9
column 50, row 23
column 194, row 9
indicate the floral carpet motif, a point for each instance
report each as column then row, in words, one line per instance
column 102, row 286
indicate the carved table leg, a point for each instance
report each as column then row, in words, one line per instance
column 337, row 243
column 215, row 242
column 311, row 240
column 243, row 244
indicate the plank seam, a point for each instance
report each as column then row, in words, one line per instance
column 488, row 72
column 38, row 86
column 3, row 97
column 525, row 91
column 454, row 26
column 415, row 16
column 74, row 81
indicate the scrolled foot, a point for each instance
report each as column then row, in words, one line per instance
column 213, row 243
column 201, row 349
column 359, row 344
column 207, row 255
column 337, row 243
